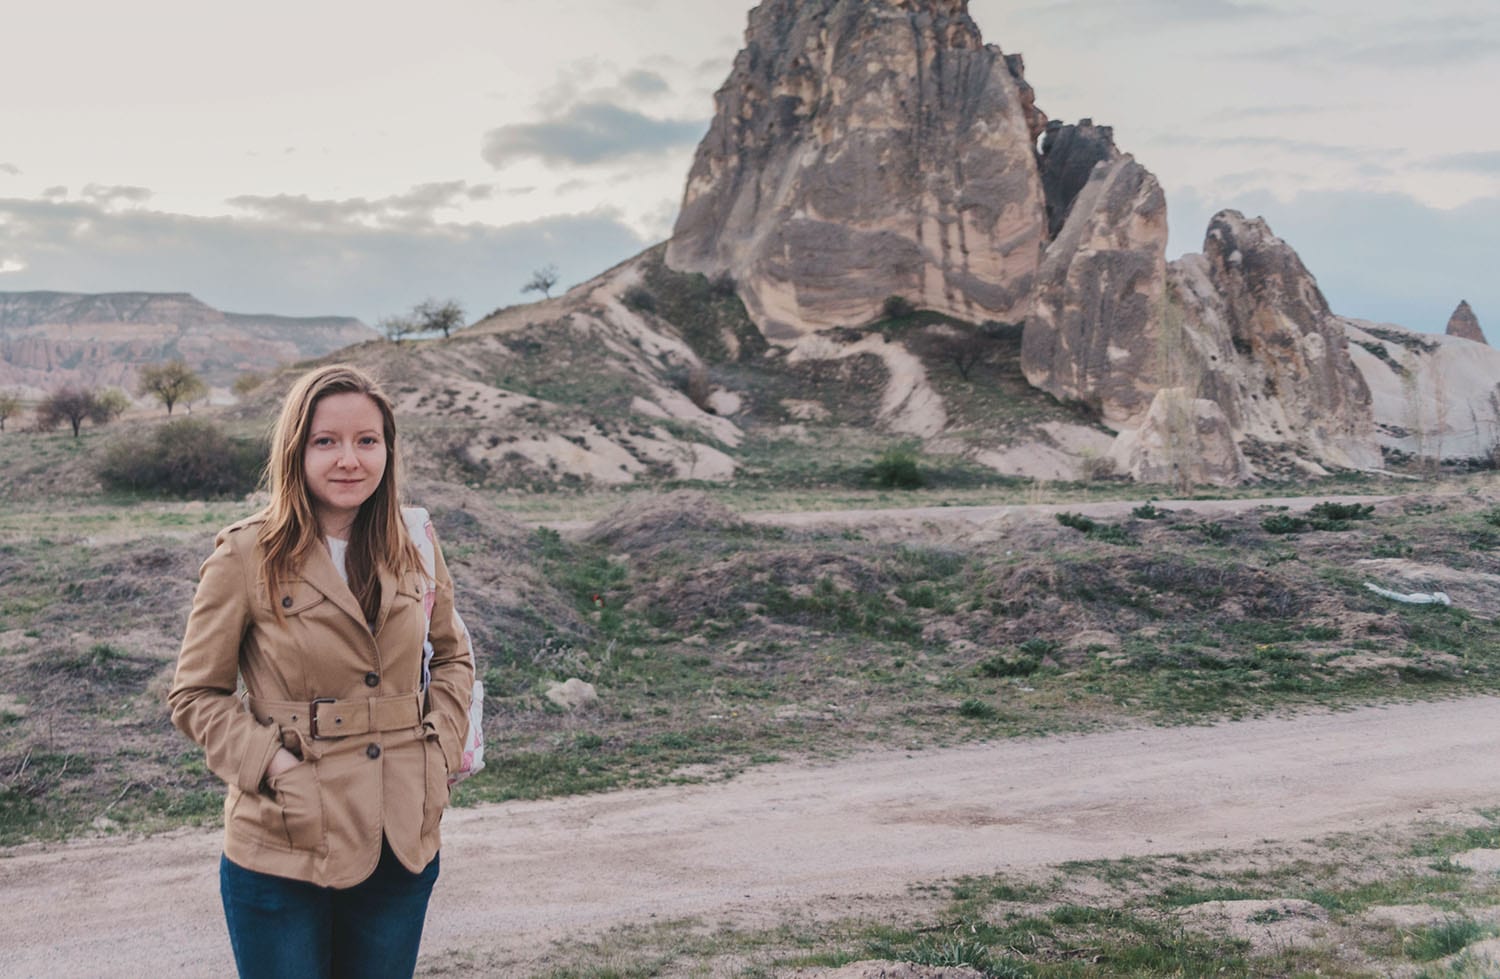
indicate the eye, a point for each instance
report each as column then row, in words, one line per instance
column 370, row 440
column 322, row 440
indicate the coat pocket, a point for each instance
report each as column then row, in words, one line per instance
column 299, row 796
column 435, row 799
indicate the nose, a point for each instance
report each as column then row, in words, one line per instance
column 347, row 458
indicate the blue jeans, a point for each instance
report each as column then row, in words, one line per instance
column 289, row 929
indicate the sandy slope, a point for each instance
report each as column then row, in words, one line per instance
column 798, row 837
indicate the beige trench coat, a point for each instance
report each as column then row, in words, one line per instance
column 347, row 698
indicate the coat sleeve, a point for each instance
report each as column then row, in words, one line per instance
column 452, row 670
column 203, row 695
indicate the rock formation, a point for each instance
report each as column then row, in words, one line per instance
column 1291, row 382
column 1092, row 334
column 1463, row 323
column 862, row 149
column 1242, row 326
column 1069, row 155
column 48, row 339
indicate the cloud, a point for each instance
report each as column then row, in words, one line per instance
column 1300, row 147
column 415, row 208
column 645, row 83
column 294, row 259
column 1377, row 256
column 1421, row 42
column 590, row 133
column 1481, row 162
column 1146, row 16
column 106, row 195
column 10, row 169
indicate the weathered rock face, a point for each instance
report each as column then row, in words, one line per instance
column 1092, row 334
column 1296, row 383
column 1069, row 155
column 1435, row 397
column 865, row 148
column 1183, row 440
column 48, row 339
column 1463, row 323
column 1242, row 326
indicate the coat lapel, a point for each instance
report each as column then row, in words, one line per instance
column 322, row 575
column 387, row 597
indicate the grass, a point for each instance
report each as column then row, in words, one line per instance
column 1316, row 907
column 718, row 647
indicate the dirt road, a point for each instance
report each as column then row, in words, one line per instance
column 797, row 837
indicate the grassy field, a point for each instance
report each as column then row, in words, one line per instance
column 716, row 644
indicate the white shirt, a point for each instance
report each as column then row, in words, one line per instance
column 337, row 549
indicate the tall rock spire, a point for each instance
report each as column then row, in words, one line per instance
column 865, row 148
column 1463, row 323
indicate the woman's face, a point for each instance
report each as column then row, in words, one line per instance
column 344, row 458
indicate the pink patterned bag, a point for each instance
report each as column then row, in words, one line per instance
column 419, row 526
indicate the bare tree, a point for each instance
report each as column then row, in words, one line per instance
column 10, row 404
column 967, row 350
column 73, row 405
column 542, row 280
column 170, row 383
column 431, row 316
column 397, row 328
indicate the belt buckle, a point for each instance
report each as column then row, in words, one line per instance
column 312, row 716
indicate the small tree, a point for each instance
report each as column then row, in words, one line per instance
column 112, row 404
column 396, row 328
column 431, row 315
column 967, row 350
column 170, row 383
column 247, row 382
column 73, row 405
column 10, row 404
column 542, row 280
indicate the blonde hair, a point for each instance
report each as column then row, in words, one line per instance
column 378, row 538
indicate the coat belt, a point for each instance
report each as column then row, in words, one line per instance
column 329, row 718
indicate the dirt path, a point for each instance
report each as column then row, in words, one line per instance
column 792, row 837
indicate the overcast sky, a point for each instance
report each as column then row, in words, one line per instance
column 343, row 157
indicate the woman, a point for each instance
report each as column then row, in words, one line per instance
column 336, row 758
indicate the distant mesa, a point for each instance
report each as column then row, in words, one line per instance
column 48, row 339
column 1463, row 323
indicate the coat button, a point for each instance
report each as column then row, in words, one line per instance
column 373, row 751
column 286, row 602
column 372, row 679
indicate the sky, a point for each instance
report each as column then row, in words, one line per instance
column 355, row 158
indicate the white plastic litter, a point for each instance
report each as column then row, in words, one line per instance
column 1413, row 598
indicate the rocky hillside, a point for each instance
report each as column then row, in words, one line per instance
column 864, row 149
column 48, row 339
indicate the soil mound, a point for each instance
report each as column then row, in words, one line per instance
column 646, row 525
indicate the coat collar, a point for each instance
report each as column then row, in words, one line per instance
column 322, row 575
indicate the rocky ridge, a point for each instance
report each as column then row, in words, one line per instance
column 48, row 339
column 853, row 135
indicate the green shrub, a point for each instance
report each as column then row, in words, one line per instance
column 1110, row 533
column 977, row 710
column 1148, row 511
column 896, row 469
column 187, row 458
column 640, row 299
column 1341, row 511
column 1283, row 523
column 897, row 308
